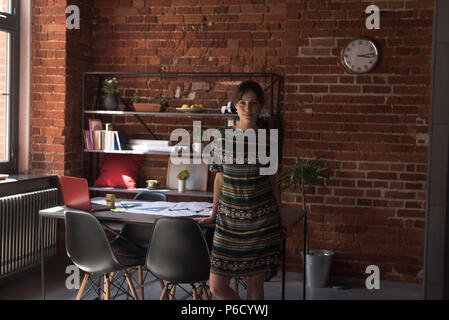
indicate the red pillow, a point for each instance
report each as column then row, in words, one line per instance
column 119, row 171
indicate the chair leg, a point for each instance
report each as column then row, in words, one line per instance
column 199, row 292
column 206, row 294
column 127, row 288
column 172, row 292
column 107, row 292
column 139, row 268
column 195, row 296
column 83, row 285
column 162, row 284
column 130, row 285
column 111, row 278
column 236, row 284
column 164, row 293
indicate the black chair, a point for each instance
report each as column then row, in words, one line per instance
column 179, row 254
column 139, row 235
column 151, row 196
column 91, row 251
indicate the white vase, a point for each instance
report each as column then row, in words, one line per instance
column 181, row 186
column 196, row 146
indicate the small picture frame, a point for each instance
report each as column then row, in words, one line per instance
column 197, row 180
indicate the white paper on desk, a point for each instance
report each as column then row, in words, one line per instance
column 165, row 208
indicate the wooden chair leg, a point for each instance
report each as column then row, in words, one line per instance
column 83, row 285
column 172, row 292
column 195, row 296
column 206, row 294
column 162, row 284
column 127, row 288
column 164, row 293
column 236, row 284
column 131, row 286
column 199, row 292
column 139, row 268
column 107, row 293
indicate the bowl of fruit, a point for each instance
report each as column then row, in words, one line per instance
column 191, row 108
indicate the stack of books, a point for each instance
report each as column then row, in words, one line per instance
column 98, row 139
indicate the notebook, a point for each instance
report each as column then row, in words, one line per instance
column 76, row 195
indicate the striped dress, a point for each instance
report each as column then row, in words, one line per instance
column 247, row 235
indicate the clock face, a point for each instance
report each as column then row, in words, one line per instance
column 359, row 56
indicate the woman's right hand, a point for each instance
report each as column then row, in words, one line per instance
column 206, row 220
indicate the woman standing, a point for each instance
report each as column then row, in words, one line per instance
column 246, row 206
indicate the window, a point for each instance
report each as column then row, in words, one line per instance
column 9, row 85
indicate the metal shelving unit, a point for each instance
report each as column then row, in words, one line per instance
column 274, row 85
column 162, row 114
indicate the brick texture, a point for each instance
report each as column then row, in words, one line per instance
column 371, row 129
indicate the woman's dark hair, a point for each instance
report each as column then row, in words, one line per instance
column 246, row 86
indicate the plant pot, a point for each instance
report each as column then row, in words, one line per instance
column 147, row 107
column 318, row 265
column 111, row 101
column 181, row 185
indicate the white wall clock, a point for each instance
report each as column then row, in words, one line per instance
column 359, row 56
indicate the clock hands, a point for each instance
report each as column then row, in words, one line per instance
column 367, row 55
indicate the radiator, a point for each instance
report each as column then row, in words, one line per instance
column 19, row 230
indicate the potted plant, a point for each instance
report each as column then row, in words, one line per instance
column 112, row 91
column 149, row 105
column 182, row 179
column 303, row 176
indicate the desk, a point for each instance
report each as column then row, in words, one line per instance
column 168, row 192
column 292, row 216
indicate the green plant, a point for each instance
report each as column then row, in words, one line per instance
column 183, row 175
column 111, row 86
column 302, row 175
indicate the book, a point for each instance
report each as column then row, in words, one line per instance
column 95, row 124
column 106, row 140
column 87, row 140
column 117, row 145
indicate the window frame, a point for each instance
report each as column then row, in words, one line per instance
column 11, row 23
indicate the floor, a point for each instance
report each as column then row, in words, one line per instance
column 27, row 286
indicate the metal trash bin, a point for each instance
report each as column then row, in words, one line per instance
column 318, row 265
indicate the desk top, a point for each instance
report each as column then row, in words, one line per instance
column 168, row 192
column 292, row 216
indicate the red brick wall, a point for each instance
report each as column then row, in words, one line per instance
column 60, row 56
column 48, row 87
column 79, row 60
column 371, row 129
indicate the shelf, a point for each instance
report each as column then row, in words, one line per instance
column 162, row 114
column 168, row 192
column 128, row 152
column 154, row 153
